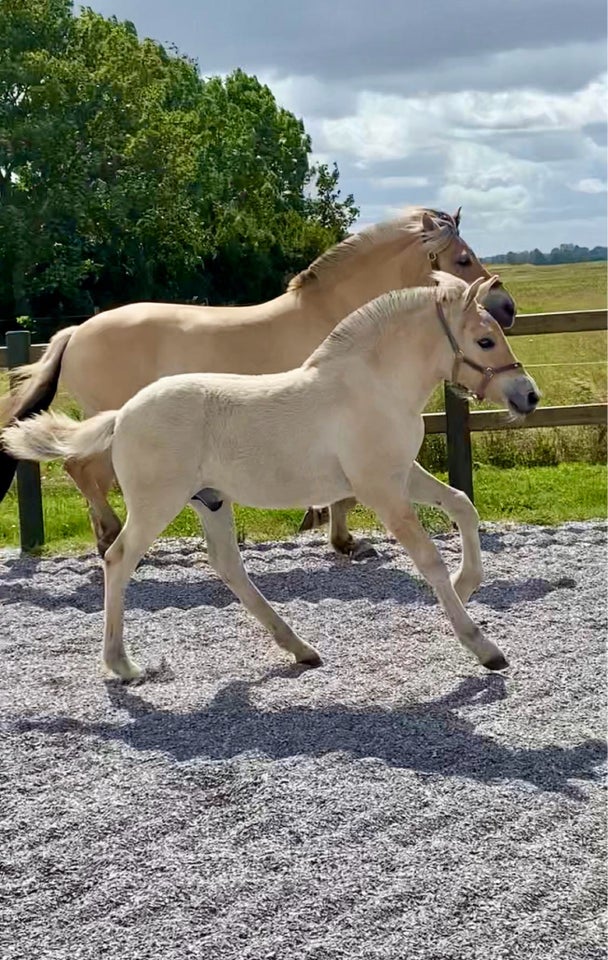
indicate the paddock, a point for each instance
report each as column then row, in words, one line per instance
column 398, row 803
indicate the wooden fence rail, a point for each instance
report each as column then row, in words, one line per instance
column 458, row 422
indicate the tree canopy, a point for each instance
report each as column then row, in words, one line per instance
column 124, row 175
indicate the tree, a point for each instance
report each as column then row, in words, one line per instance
column 325, row 206
column 124, row 175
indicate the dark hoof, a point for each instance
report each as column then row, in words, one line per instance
column 364, row 551
column 312, row 661
column 497, row 663
column 356, row 549
column 314, row 518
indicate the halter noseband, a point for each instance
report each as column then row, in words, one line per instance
column 487, row 373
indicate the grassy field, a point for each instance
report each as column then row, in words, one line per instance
column 545, row 475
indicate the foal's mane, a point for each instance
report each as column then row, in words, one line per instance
column 408, row 227
column 369, row 323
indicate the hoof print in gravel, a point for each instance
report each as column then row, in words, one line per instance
column 161, row 673
column 565, row 583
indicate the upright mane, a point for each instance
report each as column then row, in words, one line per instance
column 408, row 226
column 369, row 323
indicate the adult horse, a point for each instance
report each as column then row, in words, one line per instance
column 309, row 435
column 107, row 359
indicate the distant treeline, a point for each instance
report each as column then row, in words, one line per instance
column 565, row 253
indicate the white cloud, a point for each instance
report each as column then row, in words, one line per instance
column 398, row 183
column 386, row 127
column 590, row 185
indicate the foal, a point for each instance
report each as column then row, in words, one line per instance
column 310, row 435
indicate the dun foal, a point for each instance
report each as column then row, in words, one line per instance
column 310, row 435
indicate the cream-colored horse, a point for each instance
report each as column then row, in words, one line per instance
column 109, row 358
column 310, row 435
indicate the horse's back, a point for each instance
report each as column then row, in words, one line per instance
column 116, row 353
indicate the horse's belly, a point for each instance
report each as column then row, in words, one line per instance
column 281, row 484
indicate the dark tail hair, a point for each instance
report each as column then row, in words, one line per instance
column 37, row 386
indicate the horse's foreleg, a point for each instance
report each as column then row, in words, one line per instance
column 424, row 488
column 340, row 537
column 94, row 477
column 224, row 556
column 401, row 519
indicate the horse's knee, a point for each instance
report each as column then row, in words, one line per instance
column 112, row 552
column 463, row 508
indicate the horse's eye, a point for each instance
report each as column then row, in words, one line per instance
column 464, row 260
column 486, row 343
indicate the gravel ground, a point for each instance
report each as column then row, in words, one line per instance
column 399, row 802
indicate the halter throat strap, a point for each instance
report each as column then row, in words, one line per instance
column 487, row 373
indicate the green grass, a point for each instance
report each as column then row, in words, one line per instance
column 538, row 483
column 547, row 495
column 567, row 286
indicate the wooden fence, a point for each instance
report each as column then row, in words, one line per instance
column 457, row 422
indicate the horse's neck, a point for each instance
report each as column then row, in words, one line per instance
column 406, row 360
column 360, row 279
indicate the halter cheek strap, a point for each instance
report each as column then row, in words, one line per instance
column 487, row 373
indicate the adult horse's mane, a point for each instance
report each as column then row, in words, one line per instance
column 409, row 224
column 371, row 321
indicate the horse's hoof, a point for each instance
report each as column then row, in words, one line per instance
column 363, row 550
column 356, row 549
column 312, row 660
column 498, row 662
column 313, row 518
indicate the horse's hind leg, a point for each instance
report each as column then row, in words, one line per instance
column 94, row 477
column 340, row 537
column 224, row 556
column 424, row 488
column 148, row 515
column 120, row 561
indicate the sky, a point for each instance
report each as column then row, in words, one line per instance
column 499, row 107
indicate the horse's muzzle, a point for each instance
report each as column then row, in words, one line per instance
column 522, row 395
column 501, row 306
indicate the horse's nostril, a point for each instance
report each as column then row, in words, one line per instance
column 533, row 398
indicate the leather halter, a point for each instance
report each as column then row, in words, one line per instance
column 487, row 373
column 449, row 228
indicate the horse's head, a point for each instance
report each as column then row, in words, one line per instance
column 447, row 251
column 484, row 363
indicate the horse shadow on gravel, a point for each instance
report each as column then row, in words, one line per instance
column 344, row 581
column 431, row 738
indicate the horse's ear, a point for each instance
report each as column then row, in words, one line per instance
column 473, row 290
column 484, row 288
column 428, row 224
column 457, row 217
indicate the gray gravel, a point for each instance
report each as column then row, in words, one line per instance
column 399, row 802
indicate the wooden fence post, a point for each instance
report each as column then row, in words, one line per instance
column 29, row 495
column 458, row 435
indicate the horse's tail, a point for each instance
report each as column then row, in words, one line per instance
column 36, row 388
column 53, row 435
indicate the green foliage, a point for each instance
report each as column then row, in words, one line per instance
column 548, row 495
column 124, row 175
column 25, row 322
